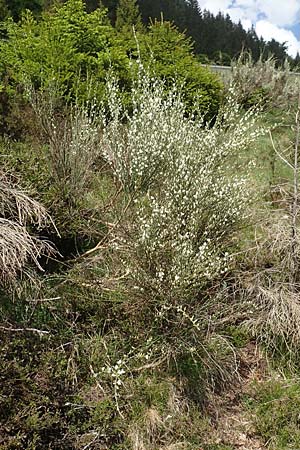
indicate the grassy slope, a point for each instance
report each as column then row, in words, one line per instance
column 54, row 389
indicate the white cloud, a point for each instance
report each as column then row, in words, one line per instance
column 271, row 18
column 215, row 6
column 237, row 14
column 246, row 3
column 273, row 10
column 270, row 31
column 280, row 13
column 247, row 24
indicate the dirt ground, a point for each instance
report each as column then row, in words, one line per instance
column 233, row 423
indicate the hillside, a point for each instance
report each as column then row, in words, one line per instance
column 216, row 38
column 149, row 236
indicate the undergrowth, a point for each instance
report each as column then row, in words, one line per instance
column 125, row 343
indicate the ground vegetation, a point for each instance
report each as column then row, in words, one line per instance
column 149, row 237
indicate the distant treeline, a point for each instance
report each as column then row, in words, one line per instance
column 216, row 38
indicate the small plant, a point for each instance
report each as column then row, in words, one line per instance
column 72, row 136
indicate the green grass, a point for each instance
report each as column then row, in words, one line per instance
column 269, row 169
column 275, row 406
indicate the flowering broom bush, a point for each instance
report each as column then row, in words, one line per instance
column 261, row 82
column 181, row 174
column 186, row 192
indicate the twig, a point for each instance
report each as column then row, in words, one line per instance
column 150, row 365
column 33, row 330
column 44, row 300
column 95, row 376
column 278, row 154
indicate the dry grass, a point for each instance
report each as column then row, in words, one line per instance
column 261, row 81
column 18, row 246
column 278, row 320
column 15, row 203
column 269, row 288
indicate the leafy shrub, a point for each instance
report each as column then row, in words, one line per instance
column 76, row 49
column 172, row 60
column 260, row 82
column 67, row 45
column 65, row 42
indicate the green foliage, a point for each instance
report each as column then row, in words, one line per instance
column 276, row 406
column 76, row 50
column 16, row 7
column 128, row 16
column 238, row 336
column 171, row 59
column 212, row 33
column 67, row 44
column 221, row 58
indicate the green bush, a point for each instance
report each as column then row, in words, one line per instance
column 76, row 49
column 171, row 59
column 67, row 46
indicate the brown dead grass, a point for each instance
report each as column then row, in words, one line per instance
column 18, row 246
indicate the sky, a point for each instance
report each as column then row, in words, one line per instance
column 278, row 19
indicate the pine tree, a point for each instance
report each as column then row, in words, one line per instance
column 128, row 16
column 4, row 11
column 17, row 6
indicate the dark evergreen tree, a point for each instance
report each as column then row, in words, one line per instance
column 4, row 11
column 16, row 7
column 128, row 16
column 91, row 5
column 111, row 6
column 211, row 34
column 277, row 50
column 296, row 62
column 215, row 36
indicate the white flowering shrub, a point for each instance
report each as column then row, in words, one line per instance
column 261, row 81
column 188, row 196
column 140, row 151
column 181, row 195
